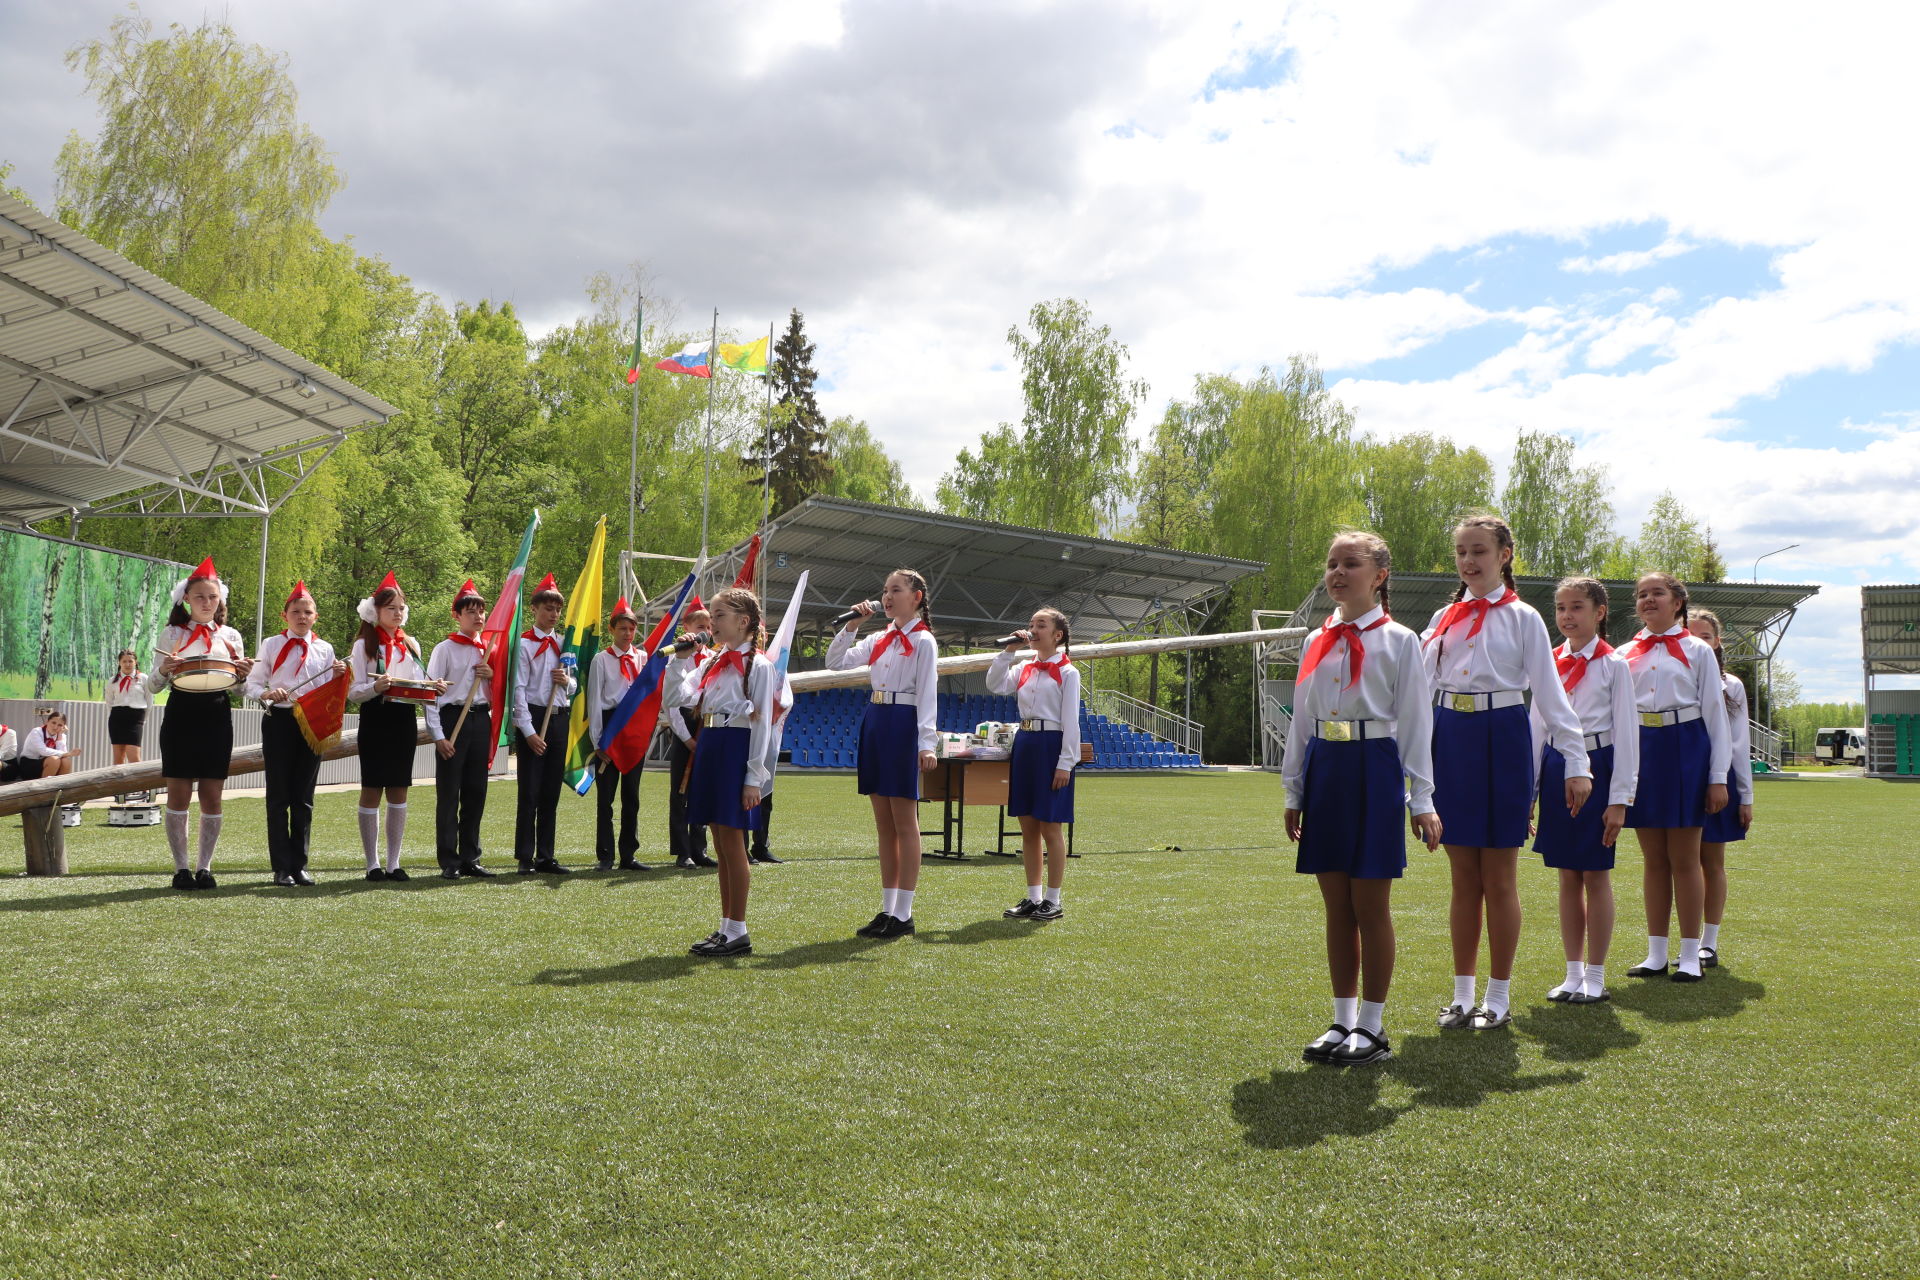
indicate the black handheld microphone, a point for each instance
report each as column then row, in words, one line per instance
column 692, row 642
column 1004, row 641
column 851, row 614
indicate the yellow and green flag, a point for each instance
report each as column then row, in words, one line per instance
column 582, row 642
column 748, row 357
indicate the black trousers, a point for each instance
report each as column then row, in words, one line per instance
column 460, row 791
column 608, row 781
column 684, row 839
column 292, row 770
column 540, row 779
column 759, row 846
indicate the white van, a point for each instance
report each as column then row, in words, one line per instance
column 1840, row 746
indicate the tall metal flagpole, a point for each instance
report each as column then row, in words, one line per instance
column 706, row 462
column 766, row 414
column 633, row 459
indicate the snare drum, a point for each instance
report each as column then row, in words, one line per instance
column 413, row 690
column 206, row 674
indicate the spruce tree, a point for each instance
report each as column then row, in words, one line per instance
column 800, row 458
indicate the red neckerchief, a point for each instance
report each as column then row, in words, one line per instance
column 1051, row 668
column 461, row 637
column 1476, row 609
column 1646, row 642
column 1573, row 668
column 699, row 658
column 390, row 645
column 629, row 670
column 125, row 682
column 892, row 634
column 1330, row 633
column 541, row 643
column 201, row 631
column 729, row 659
column 286, row 648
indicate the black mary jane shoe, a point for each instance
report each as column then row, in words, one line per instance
column 1709, row 958
column 1681, row 975
column 1456, row 1018
column 1355, row 1054
column 1323, row 1048
column 1560, row 995
column 1642, row 971
column 1581, row 997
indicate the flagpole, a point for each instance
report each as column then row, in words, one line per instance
column 633, row 455
column 766, row 476
column 706, row 461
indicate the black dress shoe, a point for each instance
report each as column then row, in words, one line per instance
column 183, row 879
column 1048, row 911
column 1323, row 1049
column 304, row 880
column 685, row 862
column 705, row 946
column 1022, row 910
column 449, row 873
column 474, row 871
column 766, row 859
column 628, row 864
column 204, row 880
column 283, row 880
column 873, row 927
column 603, row 864
column 1356, row 1053
column 398, row 873
column 1642, row 971
column 739, row 946
column 547, row 866
column 526, row 869
column 1709, row 958
column 895, row 928
column 702, row 860
column 377, row 873
column 1681, row 975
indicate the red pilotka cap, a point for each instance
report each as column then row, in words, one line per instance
column 299, row 592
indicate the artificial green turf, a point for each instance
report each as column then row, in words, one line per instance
column 530, row 1077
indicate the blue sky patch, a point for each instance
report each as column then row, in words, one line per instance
column 1808, row 411
column 1449, row 354
column 1260, row 69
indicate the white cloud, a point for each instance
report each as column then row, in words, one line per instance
column 1629, row 260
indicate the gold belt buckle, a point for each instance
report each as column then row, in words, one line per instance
column 1653, row 719
column 878, row 697
column 1336, row 730
column 1463, row 702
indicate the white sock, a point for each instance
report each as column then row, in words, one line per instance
column 369, row 834
column 396, row 829
column 209, row 836
column 732, row 929
column 903, row 904
column 1371, row 1012
column 886, row 900
column 1497, row 995
column 1576, row 974
column 1593, row 982
column 1710, row 936
column 1033, row 893
column 1053, row 896
column 1346, row 1010
column 177, row 836
column 1656, row 954
column 1463, row 990
column 1689, row 948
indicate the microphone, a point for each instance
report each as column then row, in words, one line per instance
column 851, row 614
column 1004, row 641
column 696, row 640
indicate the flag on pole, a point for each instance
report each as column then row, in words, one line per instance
column 780, row 651
column 694, row 360
column 629, row 726
column 745, row 577
column 576, row 650
column 748, row 357
column 497, row 638
column 633, row 361
column 321, row 713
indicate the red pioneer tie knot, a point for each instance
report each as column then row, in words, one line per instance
column 123, row 682
column 201, row 632
column 629, row 669
column 393, row 647
column 1646, row 642
column 893, row 634
column 729, row 660
column 1460, row 610
column 461, row 637
column 1573, row 667
column 541, row 644
column 286, row 649
column 1331, row 633
column 1051, row 668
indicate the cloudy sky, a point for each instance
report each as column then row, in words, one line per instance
column 1682, row 234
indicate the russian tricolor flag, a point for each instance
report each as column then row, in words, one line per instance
column 694, row 360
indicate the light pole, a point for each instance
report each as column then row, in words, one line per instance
column 1756, row 563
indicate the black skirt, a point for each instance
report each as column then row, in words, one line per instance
column 196, row 735
column 388, row 729
column 125, row 725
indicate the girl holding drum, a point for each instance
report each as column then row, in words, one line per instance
column 388, row 682
column 203, row 659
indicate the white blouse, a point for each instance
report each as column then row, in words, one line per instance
column 39, row 747
column 1603, row 701
column 730, row 695
column 1660, row 683
column 304, row 665
column 361, row 673
column 1392, row 687
column 1739, row 737
column 674, row 681
column 1512, row 651
column 135, row 694
column 913, row 674
column 195, row 641
column 1043, row 698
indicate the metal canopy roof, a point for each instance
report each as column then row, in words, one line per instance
column 120, row 392
column 984, row 578
column 1753, row 615
column 1890, row 629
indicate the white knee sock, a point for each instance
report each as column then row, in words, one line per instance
column 1463, row 990
column 1371, row 1014
column 396, row 828
column 1053, row 896
column 1497, row 997
column 209, row 836
column 1656, row 954
column 1033, row 893
column 1593, row 982
column 903, row 904
column 1346, row 1011
column 732, row 929
column 1689, row 949
column 369, row 834
column 1710, row 936
column 1576, row 974
column 177, row 836
column 886, row 900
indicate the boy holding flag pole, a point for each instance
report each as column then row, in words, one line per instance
column 460, row 766
column 613, row 672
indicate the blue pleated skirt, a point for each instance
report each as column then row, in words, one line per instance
column 1672, row 791
column 1354, row 811
column 1573, row 843
column 1030, row 792
column 1724, row 827
column 889, row 763
column 719, row 774
column 1483, row 776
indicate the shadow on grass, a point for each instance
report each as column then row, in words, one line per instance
column 265, row 888
column 664, row 968
column 980, row 931
column 1576, row 1033
column 1300, row 1106
column 1720, row 995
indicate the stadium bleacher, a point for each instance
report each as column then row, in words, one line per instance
column 823, row 731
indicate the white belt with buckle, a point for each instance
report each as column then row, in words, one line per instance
column 717, row 720
column 1661, row 719
column 1478, row 701
column 1352, row 730
column 1595, row 741
column 1040, row 726
column 890, row 699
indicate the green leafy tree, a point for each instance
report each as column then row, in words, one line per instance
column 1671, row 540
column 1561, row 513
column 862, row 468
column 489, row 423
column 1414, row 490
